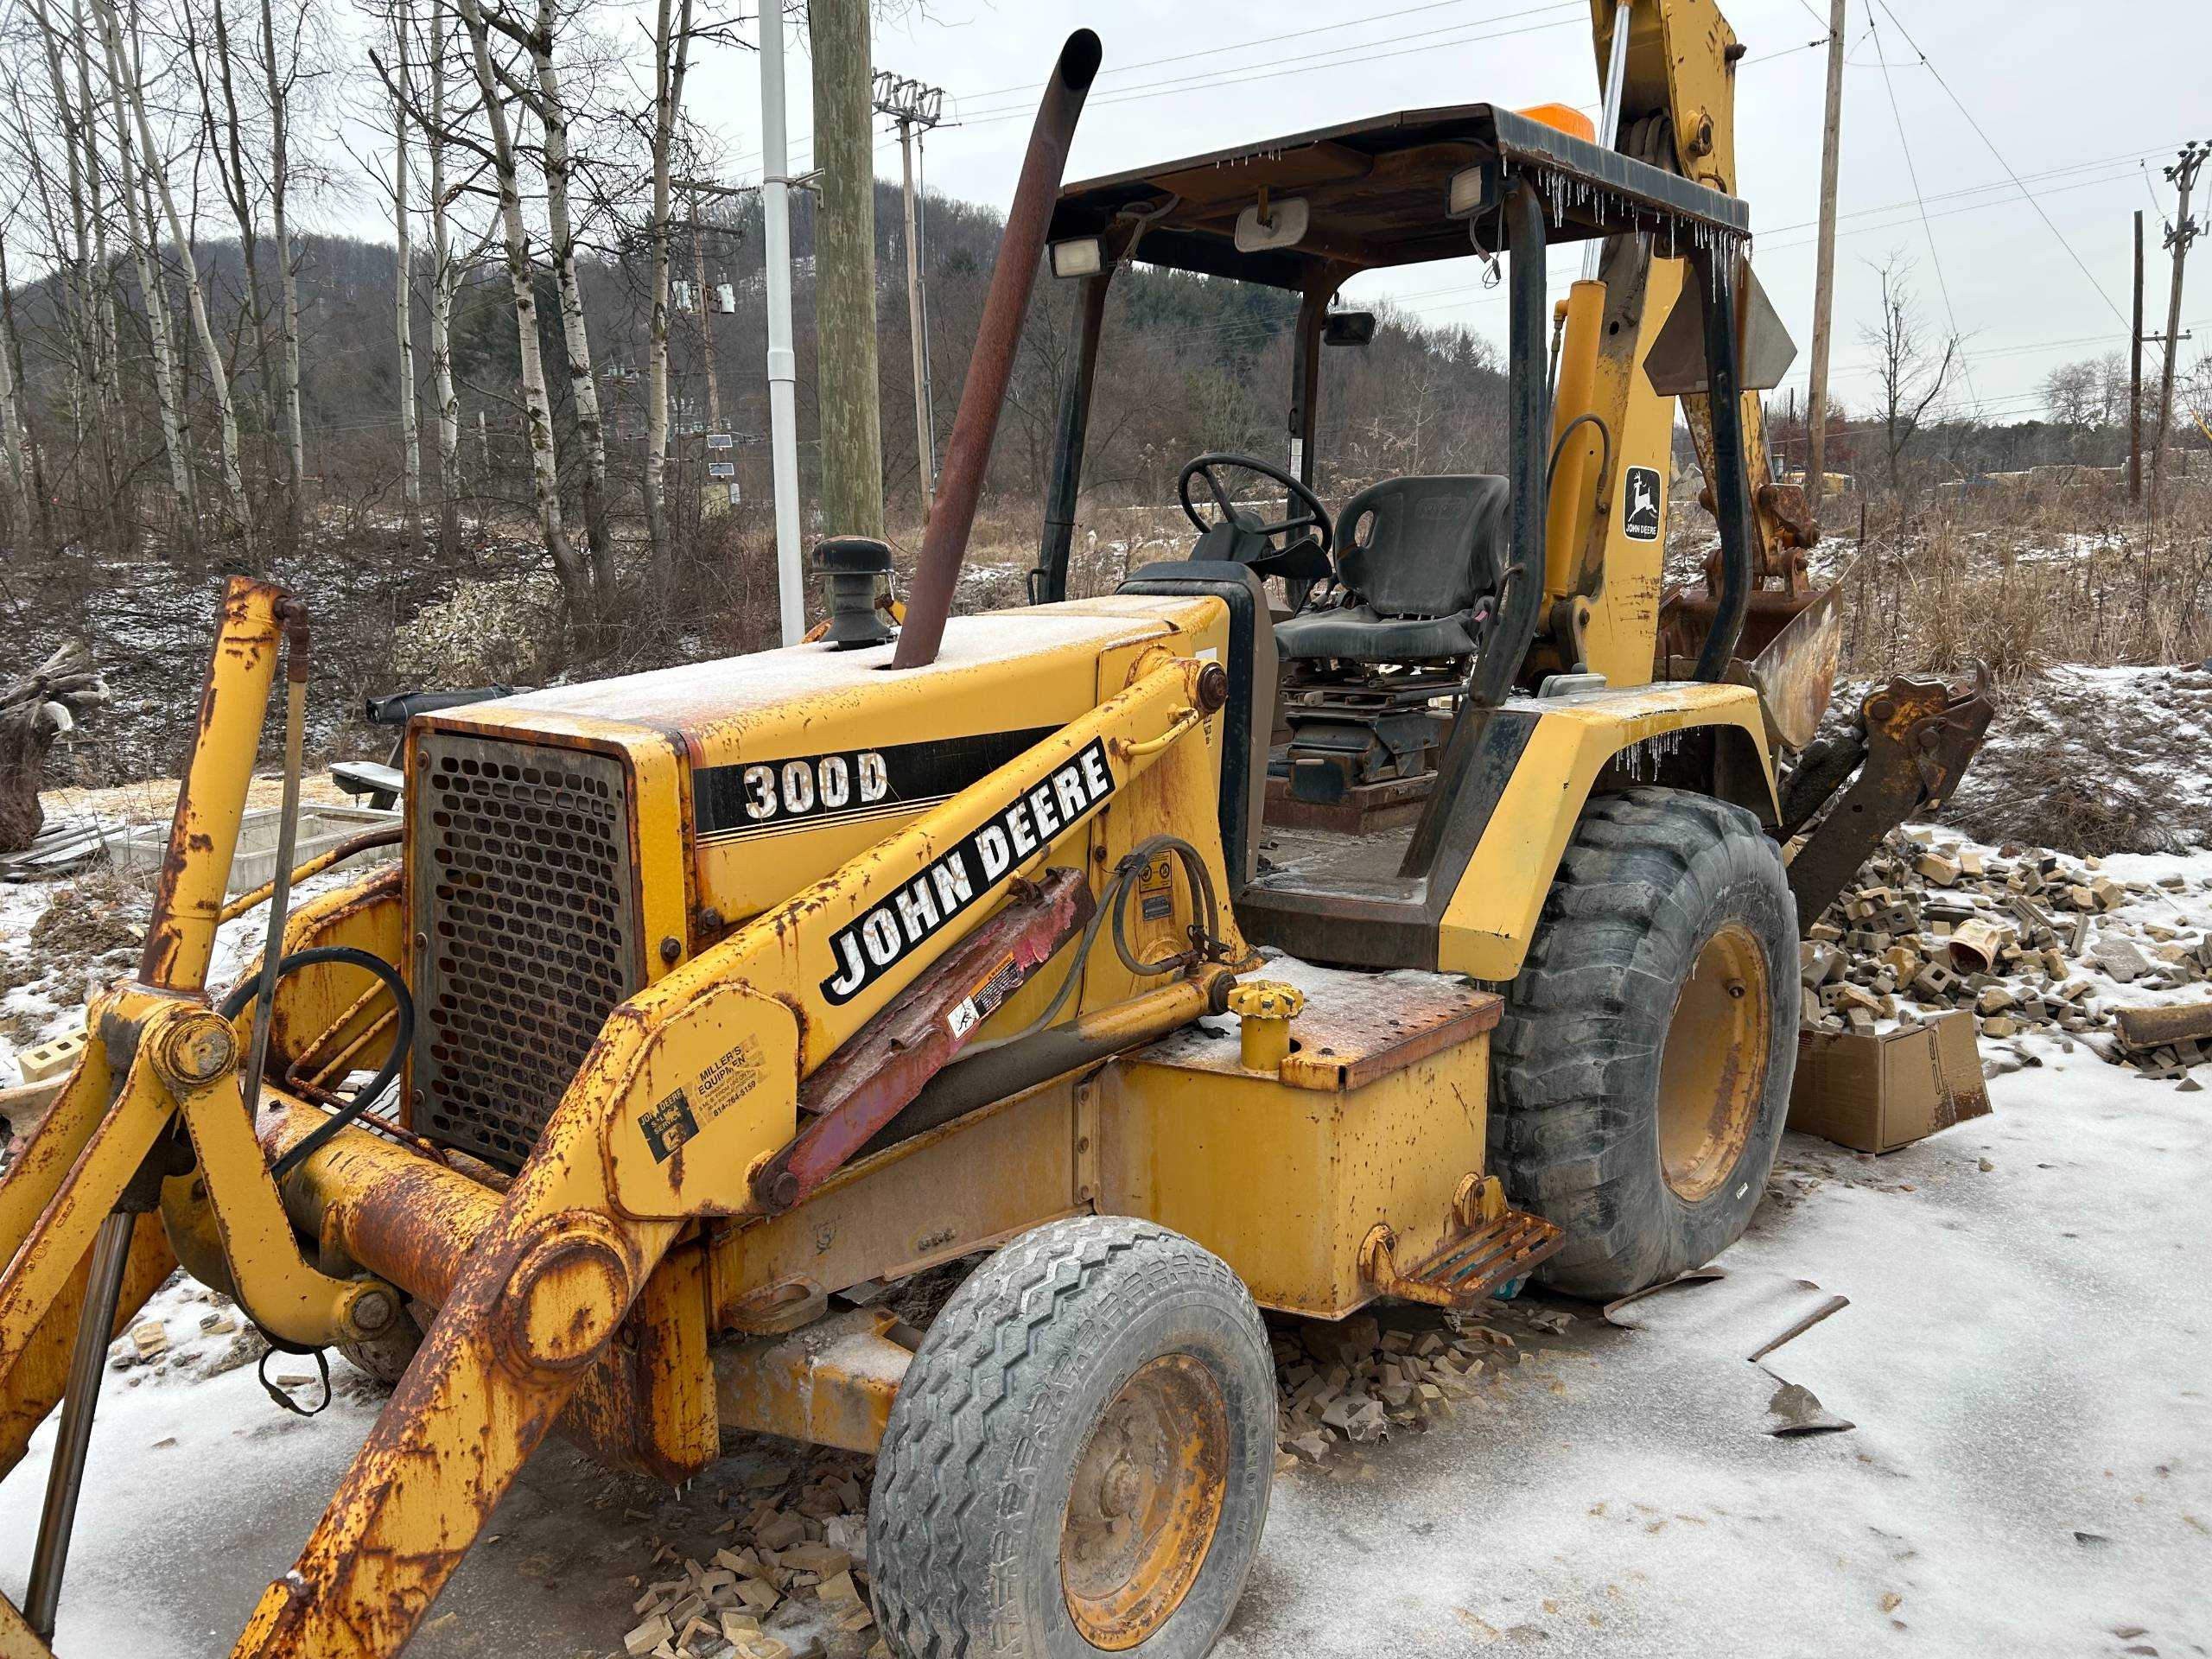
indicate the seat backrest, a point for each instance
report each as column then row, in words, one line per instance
column 1428, row 545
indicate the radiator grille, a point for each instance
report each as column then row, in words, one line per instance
column 526, row 932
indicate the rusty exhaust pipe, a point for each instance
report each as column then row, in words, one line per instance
column 968, row 453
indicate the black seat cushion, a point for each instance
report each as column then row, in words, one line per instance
column 1422, row 550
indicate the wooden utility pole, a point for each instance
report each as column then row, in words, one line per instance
column 2135, row 378
column 916, row 108
column 706, row 313
column 2182, row 176
column 844, row 269
column 1824, row 272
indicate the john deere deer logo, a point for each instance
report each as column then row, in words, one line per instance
column 1642, row 522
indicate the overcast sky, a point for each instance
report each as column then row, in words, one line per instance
column 2085, row 104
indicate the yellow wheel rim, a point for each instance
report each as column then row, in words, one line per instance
column 1145, row 1503
column 1712, row 1072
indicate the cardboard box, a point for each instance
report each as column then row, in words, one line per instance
column 1877, row 1093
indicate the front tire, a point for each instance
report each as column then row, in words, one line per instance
column 1079, row 1459
column 1642, row 1071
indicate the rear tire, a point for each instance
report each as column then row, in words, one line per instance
column 1079, row 1459
column 1642, row 1071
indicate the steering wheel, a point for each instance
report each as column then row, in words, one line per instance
column 1247, row 525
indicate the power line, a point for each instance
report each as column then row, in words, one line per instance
column 1912, row 172
column 1357, row 21
column 1303, row 64
column 2002, row 162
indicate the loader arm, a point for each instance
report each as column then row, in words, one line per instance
column 692, row 1085
column 1678, row 111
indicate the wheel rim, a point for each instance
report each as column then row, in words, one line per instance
column 1145, row 1503
column 1712, row 1072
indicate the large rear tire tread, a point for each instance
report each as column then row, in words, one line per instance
column 974, row 1453
column 1650, row 876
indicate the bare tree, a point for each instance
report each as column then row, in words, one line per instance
column 545, row 98
column 1912, row 370
column 2072, row 394
column 578, row 579
column 449, row 262
column 96, row 398
column 280, row 69
column 168, row 391
column 411, row 439
column 672, row 60
column 13, row 436
column 125, row 69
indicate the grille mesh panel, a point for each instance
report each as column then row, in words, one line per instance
column 525, row 919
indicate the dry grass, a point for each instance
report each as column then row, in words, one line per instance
column 2020, row 581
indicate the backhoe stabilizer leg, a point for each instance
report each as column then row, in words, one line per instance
column 543, row 1292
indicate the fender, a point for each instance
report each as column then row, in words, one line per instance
column 1491, row 916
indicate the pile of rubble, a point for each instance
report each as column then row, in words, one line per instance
column 791, row 1582
column 2017, row 937
column 1354, row 1382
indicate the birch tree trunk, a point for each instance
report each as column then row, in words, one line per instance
column 77, row 275
column 671, row 54
column 86, row 286
column 24, row 459
column 229, row 151
column 219, row 378
column 445, row 277
column 277, row 83
column 410, row 441
column 583, row 389
column 576, row 578
column 19, row 512
column 106, row 341
column 176, row 417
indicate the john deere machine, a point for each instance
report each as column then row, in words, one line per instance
column 706, row 1003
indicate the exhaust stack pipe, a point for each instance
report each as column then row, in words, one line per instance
column 968, row 453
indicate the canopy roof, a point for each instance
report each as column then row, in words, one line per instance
column 1377, row 192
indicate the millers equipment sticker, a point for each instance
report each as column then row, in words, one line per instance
column 965, row 874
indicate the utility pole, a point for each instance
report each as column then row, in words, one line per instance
column 2182, row 176
column 696, row 189
column 1824, row 272
column 783, row 362
column 844, row 269
column 2135, row 379
column 706, row 316
column 916, row 108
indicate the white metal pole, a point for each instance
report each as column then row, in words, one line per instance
column 925, row 440
column 783, row 362
column 1609, row 124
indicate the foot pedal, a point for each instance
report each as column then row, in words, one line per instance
column 1500, row 1244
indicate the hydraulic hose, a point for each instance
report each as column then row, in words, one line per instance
column 402, row 1038
column 1115, row 904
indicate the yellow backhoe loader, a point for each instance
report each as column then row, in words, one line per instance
column 704, row 1001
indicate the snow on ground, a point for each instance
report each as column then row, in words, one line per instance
column 2027, row 1355
column 2090, row 759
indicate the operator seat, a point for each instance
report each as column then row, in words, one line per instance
column 1421, row 553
